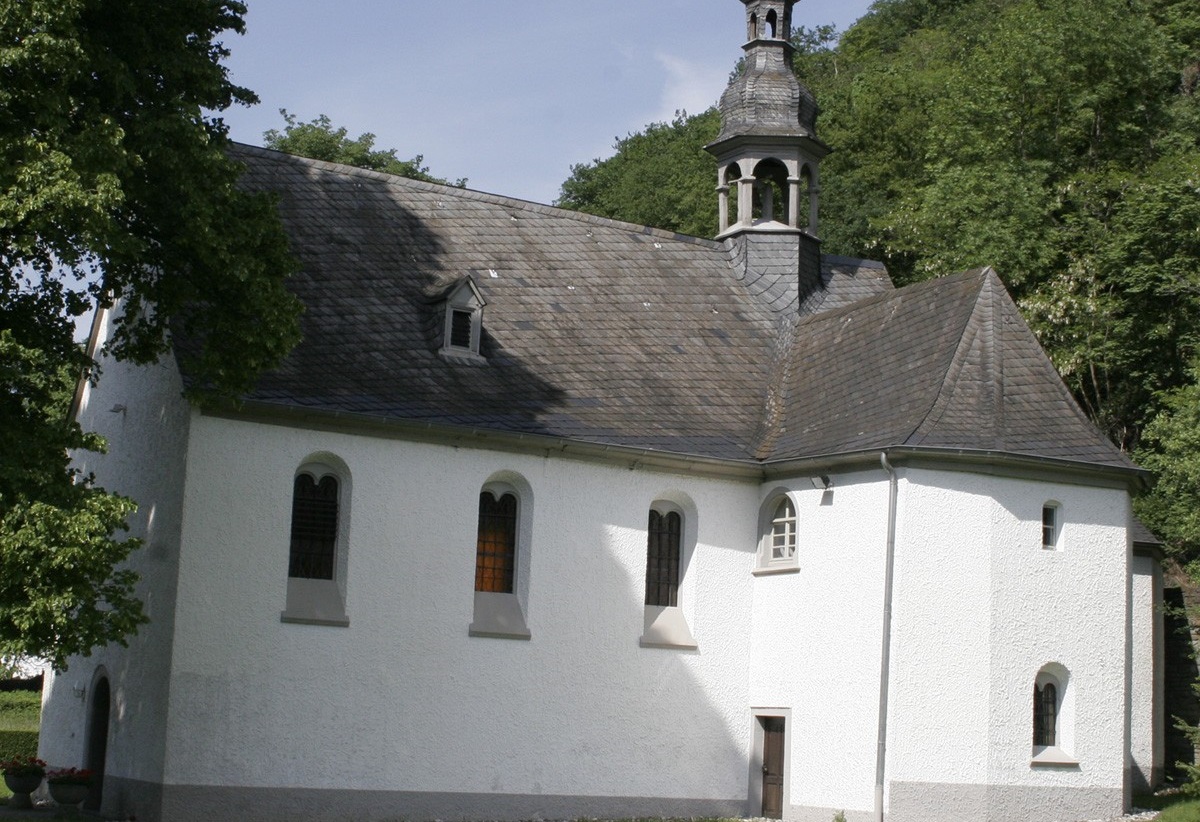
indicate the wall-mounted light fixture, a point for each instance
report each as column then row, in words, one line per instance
column 822, row 482
column 79, row 691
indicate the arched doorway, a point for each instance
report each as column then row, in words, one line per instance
column 97, row 741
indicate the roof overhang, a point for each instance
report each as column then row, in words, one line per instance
column 993, row 463
column 975, row 461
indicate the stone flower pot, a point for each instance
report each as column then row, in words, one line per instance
column 21, row 786
column 68, row 793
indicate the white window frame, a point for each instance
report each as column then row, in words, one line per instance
column 1052, row 532
column 768, row 562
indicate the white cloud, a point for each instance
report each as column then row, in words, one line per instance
column 689, row 86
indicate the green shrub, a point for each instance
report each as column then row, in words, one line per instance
column 20, row 710
column 20, row 702
column 18, row 743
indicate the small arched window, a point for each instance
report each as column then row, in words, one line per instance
column 502, row 558
column 1053, row 717
column 496, row 544
column 1045, row 714
column 317, row 562
column 1051, row 526
column 664, row 536
column 772, row 24
column 314, row 526
column 783, row 531
column 670, row 545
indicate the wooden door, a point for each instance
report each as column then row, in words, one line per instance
column 772, row 758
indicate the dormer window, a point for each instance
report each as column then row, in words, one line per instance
column 463, row 321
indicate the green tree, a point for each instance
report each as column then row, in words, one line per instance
column 661, row 177
column 1171, row 449
column 319, row 140
column 115, row 188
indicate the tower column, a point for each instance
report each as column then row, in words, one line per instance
column 722, row 207
column 746, row 201
column 794, row 201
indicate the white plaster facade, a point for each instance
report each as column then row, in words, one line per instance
column 221, row 709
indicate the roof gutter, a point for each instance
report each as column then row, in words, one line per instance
column 885, row 654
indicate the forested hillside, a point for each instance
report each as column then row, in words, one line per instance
column 1057, row 141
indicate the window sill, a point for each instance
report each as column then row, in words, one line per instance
column 305, row 619
column 314, row 602
column 665, row 627
column 771, row 570
column 498, row 616
column 1052, row 757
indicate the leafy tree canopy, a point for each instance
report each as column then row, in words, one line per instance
column 114, row 189
column 319, row 140
column 661, row 177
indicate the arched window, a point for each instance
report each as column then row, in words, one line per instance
column 496, row 544
column 664, row 536
column 314, row 526
column 783, row 531
column 1045, row 714
column 670, row 545
column 502, row 539
column 1053, row 717
column 317, row 563
column 772, row 24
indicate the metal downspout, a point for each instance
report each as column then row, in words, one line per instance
column 885, row 654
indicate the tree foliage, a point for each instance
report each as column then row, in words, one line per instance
column 661, row 177
column 319, row 140
column 114, row 187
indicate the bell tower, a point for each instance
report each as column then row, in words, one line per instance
column 768, row 152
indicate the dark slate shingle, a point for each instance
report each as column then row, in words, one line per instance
column 607, row 332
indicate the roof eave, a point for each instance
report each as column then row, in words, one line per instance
column 979, row 461
column 544, row 445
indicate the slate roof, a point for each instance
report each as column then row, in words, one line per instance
column 947, row 363
column 611, row 333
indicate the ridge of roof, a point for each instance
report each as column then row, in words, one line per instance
column 979, row 333
column 474, row 194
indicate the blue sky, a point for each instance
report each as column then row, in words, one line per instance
column 507, row 93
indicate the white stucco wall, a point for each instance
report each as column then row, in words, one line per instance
column 141, row 413
column 981, row 607
column 816, row 642
column 403, row 699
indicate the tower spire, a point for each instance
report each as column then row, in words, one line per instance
column 768, row 152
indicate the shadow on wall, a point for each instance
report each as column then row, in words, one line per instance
column 1181, row 700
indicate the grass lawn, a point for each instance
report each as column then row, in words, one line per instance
column 20, row 712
